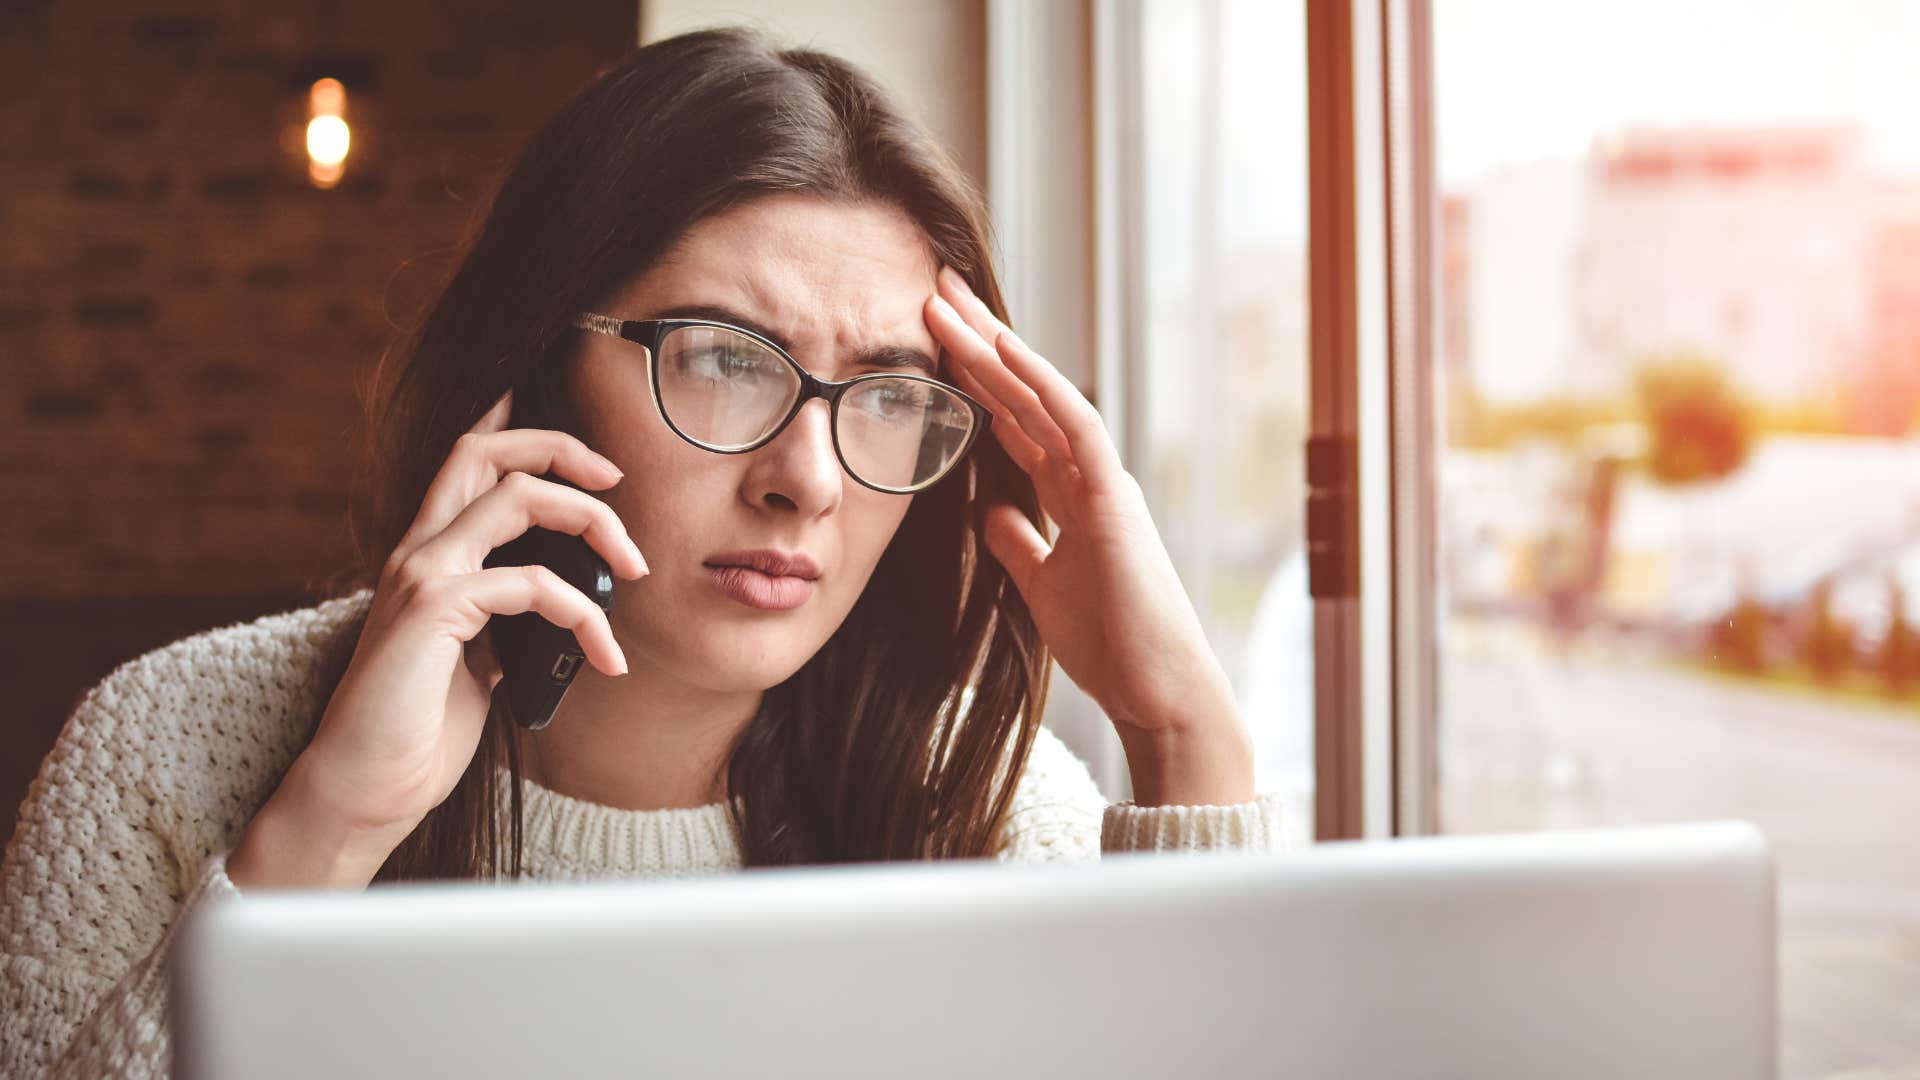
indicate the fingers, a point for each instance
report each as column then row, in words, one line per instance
column 1066, row 410
column 1014, row 543
column 482, row 660
column 1086, row 432
column 513, row 590
column 482, row 456
column 978, row 359
column 485, row 494
column 954, row 289
column 1023, row 450
column 517, row 503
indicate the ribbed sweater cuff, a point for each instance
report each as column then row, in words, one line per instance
column 1248, row 826
column 214, row 882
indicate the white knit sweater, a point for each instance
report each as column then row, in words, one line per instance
column 129, row 821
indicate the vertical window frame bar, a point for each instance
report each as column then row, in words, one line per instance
column 1371, row 500
column 1412, row 333
column 1333, row 423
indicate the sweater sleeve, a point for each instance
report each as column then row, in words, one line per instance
column 1059, row 815
column 123, row 830
column 127, row 1033
column 93, row 882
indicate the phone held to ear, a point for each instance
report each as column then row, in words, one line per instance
column 538, row 660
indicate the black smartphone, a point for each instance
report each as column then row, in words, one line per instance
column 538, row 660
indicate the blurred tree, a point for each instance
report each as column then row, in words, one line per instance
column 1900, row 651
column 1699, row 427
column 1811, row 414
column 1827, row 648
column 1740, row 642
column 1476, row 423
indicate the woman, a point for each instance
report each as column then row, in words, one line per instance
column 673, row 258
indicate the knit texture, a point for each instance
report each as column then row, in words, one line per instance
column 129, row 820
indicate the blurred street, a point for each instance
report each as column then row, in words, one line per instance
column 1600, row 736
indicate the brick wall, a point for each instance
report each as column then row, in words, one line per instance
column 185, row 321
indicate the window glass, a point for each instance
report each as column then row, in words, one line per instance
column 1222, row 377
column 1680, row 481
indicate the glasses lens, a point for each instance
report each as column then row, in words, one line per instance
column 722, row 388
column 902, row 433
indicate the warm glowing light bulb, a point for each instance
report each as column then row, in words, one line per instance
column 327, row 98
column 327, row 140
column 328, row 136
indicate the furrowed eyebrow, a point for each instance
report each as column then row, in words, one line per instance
column 884, row 356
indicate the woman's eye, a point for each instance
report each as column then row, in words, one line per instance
column 727, row 364
column 892, row 403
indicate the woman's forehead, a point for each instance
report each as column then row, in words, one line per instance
column 816, row 272
column 793, row 242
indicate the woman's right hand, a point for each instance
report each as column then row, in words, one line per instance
column 406, row 717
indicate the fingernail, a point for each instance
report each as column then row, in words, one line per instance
column 621, row 653
column 1015, row 339
column 951, row 276
column 639, row 558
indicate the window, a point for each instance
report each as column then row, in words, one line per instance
column 1679, row 517
column 1218, row 380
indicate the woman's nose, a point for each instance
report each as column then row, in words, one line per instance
column 798, row 470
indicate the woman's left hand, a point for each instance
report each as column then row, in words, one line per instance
column 1104, row 595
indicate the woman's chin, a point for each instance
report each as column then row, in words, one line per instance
column 743, row 664
column 715, row 650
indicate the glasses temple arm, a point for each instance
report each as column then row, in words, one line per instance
column 600, row 324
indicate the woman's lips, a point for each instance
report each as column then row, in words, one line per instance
column 755, row 589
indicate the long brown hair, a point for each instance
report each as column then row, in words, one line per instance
column 870, row 751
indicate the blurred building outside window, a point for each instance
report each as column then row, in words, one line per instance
column 1680, row 480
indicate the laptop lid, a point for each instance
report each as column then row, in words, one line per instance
column 1645, row 951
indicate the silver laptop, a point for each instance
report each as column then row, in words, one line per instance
column 1642, row 952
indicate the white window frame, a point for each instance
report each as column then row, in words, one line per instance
column 1063, row 97
column 1371, row 321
